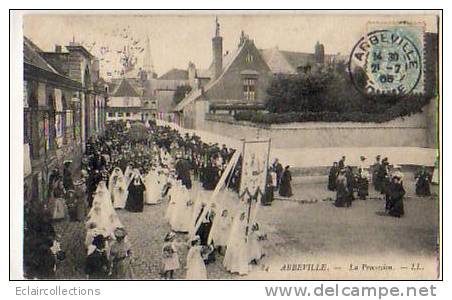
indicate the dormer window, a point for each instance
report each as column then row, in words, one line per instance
column 249, row 58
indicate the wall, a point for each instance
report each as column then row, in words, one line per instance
column 412, row 131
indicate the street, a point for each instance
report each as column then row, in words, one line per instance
column 307, row 228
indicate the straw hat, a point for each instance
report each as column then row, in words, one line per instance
column 120, row 232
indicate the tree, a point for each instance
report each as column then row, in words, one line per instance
column 301, row 92
column 180, row 93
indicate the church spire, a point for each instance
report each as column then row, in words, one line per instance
column 147, row 61
column 217, row 27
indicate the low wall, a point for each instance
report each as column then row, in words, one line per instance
column 412, row 131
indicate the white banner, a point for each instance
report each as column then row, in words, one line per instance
column 58, row 101
column 27, row 160
column 255, row 165
column 254, row 176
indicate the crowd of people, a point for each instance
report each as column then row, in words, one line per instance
column 133, row 166
column 387, row 180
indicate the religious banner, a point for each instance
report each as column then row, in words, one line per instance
column 254, row 175
column 58, row 101
column 27, row 160
column 25, row 94
column 46, row 133
column 59, row 122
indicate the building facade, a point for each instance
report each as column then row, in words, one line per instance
column 130, row 101
column 238, row 80
column 64, row 106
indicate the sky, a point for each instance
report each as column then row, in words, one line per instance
column 177, row 37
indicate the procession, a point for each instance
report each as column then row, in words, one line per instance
column 145, row 165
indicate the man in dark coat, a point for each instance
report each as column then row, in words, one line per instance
column 423, row 179
column 382, row 176
column 396, row 193
column 183, row 167
column 332, row 177
column 350, row 185
column 285, row 188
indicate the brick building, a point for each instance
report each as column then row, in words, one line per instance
column 131, row 99
column 238, row 80
column 64, row 106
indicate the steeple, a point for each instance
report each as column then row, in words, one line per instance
column 217, row 27
column 148, row 66
column 217, row 51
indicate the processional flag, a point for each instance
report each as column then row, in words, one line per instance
column 254, row 176
column 220, row 186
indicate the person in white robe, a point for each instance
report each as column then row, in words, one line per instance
column 219, row 233
column 102, row 213
column 118, row 189
column 236, row 257
column 196, row 268
column 255, row 238
column 152, row 195
column 172, row 196
column 181, row 219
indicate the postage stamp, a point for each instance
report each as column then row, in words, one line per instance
column 389, row 59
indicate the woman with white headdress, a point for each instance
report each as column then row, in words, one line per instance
column 102, row 212
column 181, row 218
column 219, row 233
column 153, row 190
column 118, row 188
column 172, row 196
column 128, row 174
column 237, row 255
column 196, row 268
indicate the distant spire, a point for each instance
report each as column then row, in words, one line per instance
column 217, row 27
column 147, row 61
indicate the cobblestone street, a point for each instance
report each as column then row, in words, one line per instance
column 297, row 230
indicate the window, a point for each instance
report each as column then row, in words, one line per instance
column 249, row 89
column 249, row 58
column 119, row 114
column 127, row 114
column 110, row 115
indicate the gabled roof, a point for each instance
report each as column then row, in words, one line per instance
column 33, row 57
column 175, row 74
column 195, row 94
column 125, row 89
column 286, row 62
column 297, row 59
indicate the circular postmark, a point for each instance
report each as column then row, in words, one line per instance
column 385, row 62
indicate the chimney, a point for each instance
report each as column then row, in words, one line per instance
column 192, row 75
column 319, row 53
column 58, row 48
column 217, row 51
